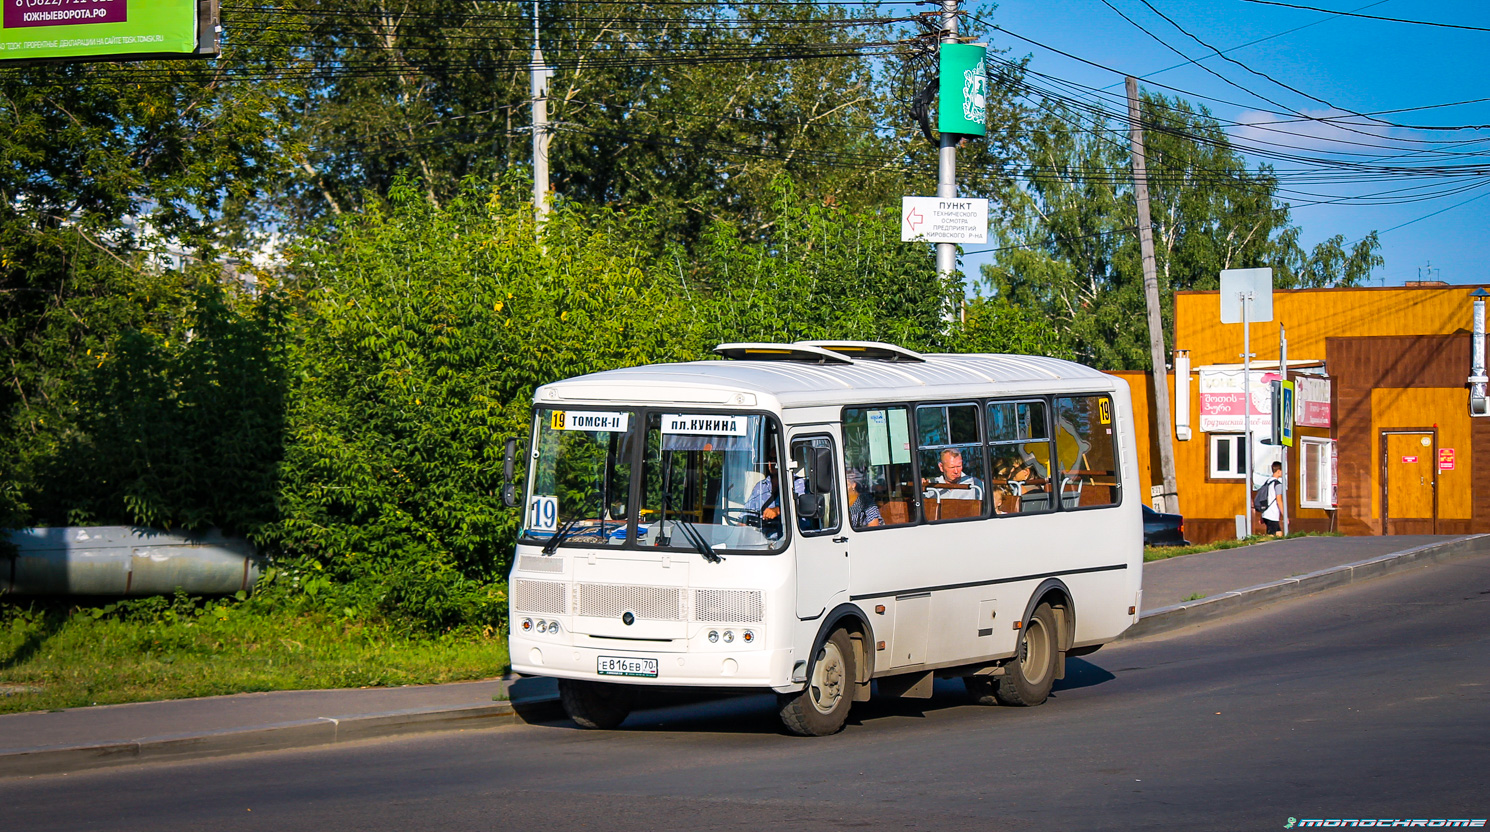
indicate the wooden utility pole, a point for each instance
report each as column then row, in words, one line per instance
column 1151, row 298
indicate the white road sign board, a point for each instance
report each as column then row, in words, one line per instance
column 932, row 219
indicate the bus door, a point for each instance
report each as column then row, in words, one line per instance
column 821, row 547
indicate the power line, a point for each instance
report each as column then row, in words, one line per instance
column 1369, row 16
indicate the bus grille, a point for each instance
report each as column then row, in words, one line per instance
column 727, row 606
column 657, row 603
column 538, row 563
column 539, row 596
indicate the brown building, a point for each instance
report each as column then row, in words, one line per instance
column 1381, row 374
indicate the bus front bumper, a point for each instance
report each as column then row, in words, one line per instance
column 753, row 668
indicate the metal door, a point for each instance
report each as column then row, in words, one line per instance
column 1409, row 486
column 821, row 546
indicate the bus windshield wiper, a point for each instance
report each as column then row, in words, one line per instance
column 698, row 541
column 553, row 543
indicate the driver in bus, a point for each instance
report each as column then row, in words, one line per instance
column 765, row 499
column 952, row 485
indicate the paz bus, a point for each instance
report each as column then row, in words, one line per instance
column 809, row 518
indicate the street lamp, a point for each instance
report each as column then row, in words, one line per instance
column 1478, row 406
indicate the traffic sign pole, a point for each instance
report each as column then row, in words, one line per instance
column 946, row 179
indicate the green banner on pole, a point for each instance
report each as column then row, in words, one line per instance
column 42, row 29
column 964, row 89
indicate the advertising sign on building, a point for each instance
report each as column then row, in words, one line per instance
column 1221, row 401
column 91, row 29
column 1313, row 407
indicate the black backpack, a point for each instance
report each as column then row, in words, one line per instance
column 1262, row 497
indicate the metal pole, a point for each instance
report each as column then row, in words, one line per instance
column 1283, row 374
column 946, row 178
column 1246, row 299
column 1151, row 300
column 539, row 75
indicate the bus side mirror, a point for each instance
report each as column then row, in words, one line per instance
column 509, row 491
column 820, row 470
column 810, row 506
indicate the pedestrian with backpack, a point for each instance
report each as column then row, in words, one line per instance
column 1268, row 501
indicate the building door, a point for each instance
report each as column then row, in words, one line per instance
column 1409, row 481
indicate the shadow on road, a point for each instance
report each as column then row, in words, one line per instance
column 701, row 712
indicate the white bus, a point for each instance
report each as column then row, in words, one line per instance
column 805, row 518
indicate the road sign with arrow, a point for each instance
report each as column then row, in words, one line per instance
column 932, row 219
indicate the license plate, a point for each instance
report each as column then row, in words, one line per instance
column 618, row 666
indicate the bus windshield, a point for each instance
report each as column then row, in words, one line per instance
column 718, row 475
column 581, row 476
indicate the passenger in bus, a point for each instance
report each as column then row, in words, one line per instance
column 862, row 512
column 1010, row 476
column 952, row 485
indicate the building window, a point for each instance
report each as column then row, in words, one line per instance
column 1228, row 456
column 1316, row 473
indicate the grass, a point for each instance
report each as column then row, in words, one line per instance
column 1152, row 553
column 53, row 657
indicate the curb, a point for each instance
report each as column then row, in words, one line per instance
column 305, row 733
column 1185, row 614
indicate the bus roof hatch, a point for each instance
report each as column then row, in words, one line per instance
column 868, row 350
column 805, row 353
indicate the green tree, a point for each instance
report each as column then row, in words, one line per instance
column 424, row 333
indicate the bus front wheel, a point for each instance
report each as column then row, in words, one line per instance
column 1029, row 676
column 822, row 706
column 595, row 704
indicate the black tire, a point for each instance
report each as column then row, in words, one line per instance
column 596, row 704
column 822, row 706
column 981, row 689
column 1029, row 676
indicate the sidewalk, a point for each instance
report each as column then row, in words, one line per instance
column 83, row 738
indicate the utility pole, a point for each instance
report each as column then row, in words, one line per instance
column 540, row 74
column 946, row 178
column 1151, row 298
column 1278, row 440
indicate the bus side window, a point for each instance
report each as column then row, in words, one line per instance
column 1086, row 445
column 828, row 520
column 951, row 448
column 1019, row 445
column 877, row 450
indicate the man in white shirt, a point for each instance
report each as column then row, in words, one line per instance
column 952, row 485
column 1272, row 515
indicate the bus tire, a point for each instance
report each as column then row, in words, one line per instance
column 596, row 704
column 822, row 706
column 1029, row 676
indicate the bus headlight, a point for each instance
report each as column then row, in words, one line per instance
column 729, row 636
column 713, row 636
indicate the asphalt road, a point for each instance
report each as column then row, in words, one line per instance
column 1371, row 701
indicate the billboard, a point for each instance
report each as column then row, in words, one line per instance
column 51, row 30
column 964, row 102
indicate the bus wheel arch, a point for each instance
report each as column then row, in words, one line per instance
column 851, row 619
column 1053, row 591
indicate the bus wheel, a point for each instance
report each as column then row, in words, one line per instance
column 821, row 708
column 595, row 704
column 1029, row 676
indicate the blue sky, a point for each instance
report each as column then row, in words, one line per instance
column 1359, row 65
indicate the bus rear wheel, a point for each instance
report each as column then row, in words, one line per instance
column 596, row 704
column 1029, row 676
column 821, row 707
